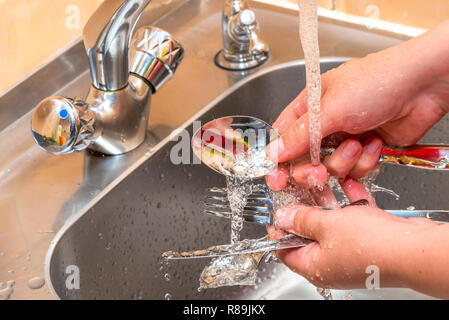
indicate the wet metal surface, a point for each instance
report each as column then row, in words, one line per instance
column 126, row 210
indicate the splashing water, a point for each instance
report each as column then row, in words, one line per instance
column 237, row 269
column 238, row 191
column 6, row 293
column 230, row 271
column 308, row 30
column 371, row 187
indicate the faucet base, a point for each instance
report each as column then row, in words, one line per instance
column 121, row 115
column 223, row 63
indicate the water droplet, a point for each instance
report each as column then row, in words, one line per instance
column 167, row 277
column 168, row 296
column 36, row 283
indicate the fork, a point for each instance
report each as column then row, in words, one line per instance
column 259, row 208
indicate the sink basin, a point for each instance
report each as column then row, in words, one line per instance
column 117, row 244
column 112, row 217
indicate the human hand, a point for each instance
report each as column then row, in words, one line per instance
column 348, row 240
column 395, row 95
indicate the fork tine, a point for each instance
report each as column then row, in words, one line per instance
column 250, row 201
column 250, row 209
column 224, row 191
column 247, row 216
column 257, row 209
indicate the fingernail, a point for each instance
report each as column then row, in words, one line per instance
column 350, row 150
column 374, row 146
column 276, row 148
column 284, row 218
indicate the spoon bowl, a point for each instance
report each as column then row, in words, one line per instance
column 235, row 146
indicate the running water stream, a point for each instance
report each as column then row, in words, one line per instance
column 308, row 30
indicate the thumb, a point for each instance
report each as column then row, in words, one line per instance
column 301, row 220
column 292, row 143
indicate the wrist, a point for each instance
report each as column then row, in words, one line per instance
column 398, row 252
column 407, row 261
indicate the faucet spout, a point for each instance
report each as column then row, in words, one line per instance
column 107, row 37
column 113, row 118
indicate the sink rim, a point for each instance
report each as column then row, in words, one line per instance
column 75, row 217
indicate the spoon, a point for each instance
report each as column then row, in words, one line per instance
column 235, row 146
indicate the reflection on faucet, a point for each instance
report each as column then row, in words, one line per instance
column 125, row 73
column 242, row 47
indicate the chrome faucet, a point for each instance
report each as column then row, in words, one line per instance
column 126, row 68
column 242, row 47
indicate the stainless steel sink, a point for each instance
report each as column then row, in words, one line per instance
column 117, row 244
column 114, row 216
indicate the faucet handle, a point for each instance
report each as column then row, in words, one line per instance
column 155, row 55
column 247, row 17
column 62, row 125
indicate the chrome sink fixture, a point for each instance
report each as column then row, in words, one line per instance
column 125, row 72
column 242, row 47
column 111, row 218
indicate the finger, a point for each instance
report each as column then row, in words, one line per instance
column 315, row 179
column 301, row 220
column 277, row 179
column 368, row 159
column 291, row 113
column 309, row 176
column 295, row 141
column 292, row 143
column 275, row 233
column 355, row 191
column 344, row 158
column 296, row 109
column 325, row 197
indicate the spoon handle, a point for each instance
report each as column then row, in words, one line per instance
column 425, row 156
